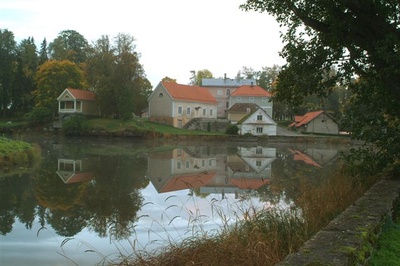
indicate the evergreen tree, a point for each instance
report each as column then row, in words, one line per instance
column 8, row 53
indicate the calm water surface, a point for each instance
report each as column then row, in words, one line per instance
column 90, row 200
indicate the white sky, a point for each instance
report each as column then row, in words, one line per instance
column 172, row 36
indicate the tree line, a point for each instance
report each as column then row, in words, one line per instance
column 32, row 78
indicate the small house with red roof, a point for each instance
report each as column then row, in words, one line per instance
column 74, row 101
column 252, row 94
column 315, row 122
column 176, row 104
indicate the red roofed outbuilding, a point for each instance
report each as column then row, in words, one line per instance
column 315, row 122
column 74, row 101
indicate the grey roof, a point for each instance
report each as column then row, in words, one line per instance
column 226, row 82
column 243, row 107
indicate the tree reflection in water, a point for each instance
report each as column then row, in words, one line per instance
column 97, row 186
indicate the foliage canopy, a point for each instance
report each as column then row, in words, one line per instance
column 360, row 40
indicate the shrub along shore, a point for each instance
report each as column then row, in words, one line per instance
column 15, row 153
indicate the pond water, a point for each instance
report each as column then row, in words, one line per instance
column 91, row 200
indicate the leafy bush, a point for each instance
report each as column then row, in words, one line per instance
column 74, row 124
column 40, row 115
column 232, row 130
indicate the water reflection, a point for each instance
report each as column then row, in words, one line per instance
column 316, row 157
column 100, row 189
column 74, row 171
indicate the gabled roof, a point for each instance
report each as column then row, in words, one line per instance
column 80, row 94
column 251, row 90
column 244, row 119
column 300, row 120
column 188, row 93
column 243, row 107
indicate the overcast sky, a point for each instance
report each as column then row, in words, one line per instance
column 172, row 36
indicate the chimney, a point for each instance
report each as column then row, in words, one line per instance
column 224, row 77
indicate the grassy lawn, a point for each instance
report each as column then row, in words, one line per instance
column 11, row 124
column 387, row 251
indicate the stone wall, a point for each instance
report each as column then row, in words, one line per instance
column 349, row 239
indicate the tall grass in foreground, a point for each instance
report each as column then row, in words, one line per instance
column 260, row 239
column 263, row 237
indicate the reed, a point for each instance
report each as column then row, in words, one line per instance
column 266, row 236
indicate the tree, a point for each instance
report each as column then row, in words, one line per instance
column 249, row 73
column 197, row 78
column 8, row 51
column 168, row 79
column 69, row 45
column 360, row 39
column 43, row 57
column 24, row 77
column 51, row 80
column 114, row 72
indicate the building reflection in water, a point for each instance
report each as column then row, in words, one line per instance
column 241, row 172
column 74, row 171
column 315, row 157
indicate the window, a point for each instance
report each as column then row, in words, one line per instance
column 251, row 99
column 67, row 105
column 227, row 105
column 258, row 150
column 219, row 92
column 259, row 130
column 179, row 110
column 188, row 110
column 179, row 165
column 211, row 112
column 258, row 163
column 160, row 94
column 259, row 117
column 238, row 99
column 187, row 164
column 228, row 92
column 264, row 99
column 204, row 111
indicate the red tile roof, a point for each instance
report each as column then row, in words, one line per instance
column 82, row 95
column 188, row 93
column 299, row 156
column 194, row 180
column 249, row 90
column 305, row 119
